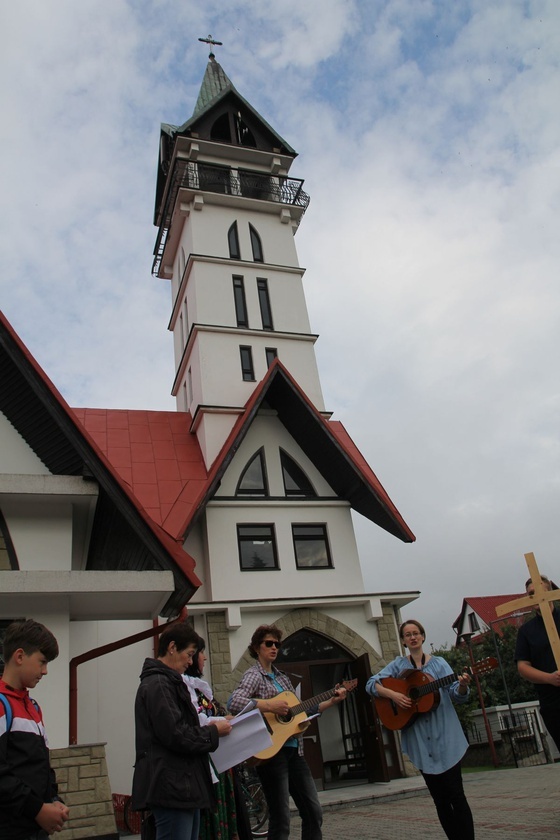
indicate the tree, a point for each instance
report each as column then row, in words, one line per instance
column 458, row 659
column 502, row 648
column 494, row 691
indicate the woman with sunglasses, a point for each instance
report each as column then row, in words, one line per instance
column 434, row 742
column 287, row 772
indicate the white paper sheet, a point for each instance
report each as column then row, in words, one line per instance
column 248, row 736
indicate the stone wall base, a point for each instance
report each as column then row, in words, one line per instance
column 83, row 784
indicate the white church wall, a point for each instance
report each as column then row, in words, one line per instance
column 211, row 236
column 16, row 456
column 268, row 431
column 41, row 532
column 106, row 691
column 228, row 581
column 52, row 692
column 221, row 381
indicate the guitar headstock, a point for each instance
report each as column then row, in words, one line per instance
column 349, row 685
column 484, row 666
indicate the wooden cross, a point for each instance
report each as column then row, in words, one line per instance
column 542, row 598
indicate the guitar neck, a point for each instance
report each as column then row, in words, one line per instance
column 313, row 701
column 430, row 687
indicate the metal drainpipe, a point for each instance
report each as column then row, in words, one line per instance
column 95, row 653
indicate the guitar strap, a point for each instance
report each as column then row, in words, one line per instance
column 413, row 663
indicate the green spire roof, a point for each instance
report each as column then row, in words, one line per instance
column 214, row 82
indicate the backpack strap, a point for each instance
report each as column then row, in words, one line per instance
column 8, row 709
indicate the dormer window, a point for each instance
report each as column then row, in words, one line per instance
column 296, row 483
column 253, row 481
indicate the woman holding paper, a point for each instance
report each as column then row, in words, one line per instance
column 229, row 820
column 171, row 771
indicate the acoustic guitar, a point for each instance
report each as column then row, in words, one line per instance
column 423, row 690
column 296, row 721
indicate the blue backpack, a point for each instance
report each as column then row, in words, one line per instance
column 8, row 709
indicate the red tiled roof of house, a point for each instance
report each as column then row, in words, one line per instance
column 485, row 605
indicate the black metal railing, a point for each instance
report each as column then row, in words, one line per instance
column 221, row 179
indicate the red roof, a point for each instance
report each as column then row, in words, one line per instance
column 153, row 452
column 485, row 607
column 161, row 461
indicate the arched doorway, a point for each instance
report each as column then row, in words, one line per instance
column 346, row 745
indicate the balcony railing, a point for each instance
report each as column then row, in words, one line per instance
column 221, row 179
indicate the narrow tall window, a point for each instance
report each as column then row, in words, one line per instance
column 256, row 245
column 257, row 547
column 239, row 300
column 311, row 547
column 247, row 370
column 189, row 387
column 253, row 480
column 264, row 303
column 271, row 354
column 233, row 242
column 296, row 483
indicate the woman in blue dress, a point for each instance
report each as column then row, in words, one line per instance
column 434, row 742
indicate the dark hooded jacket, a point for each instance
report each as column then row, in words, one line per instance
column 172, row 768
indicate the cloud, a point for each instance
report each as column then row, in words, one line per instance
column 429, row 144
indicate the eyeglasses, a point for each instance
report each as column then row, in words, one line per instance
column 411, row 635
column 270, row 643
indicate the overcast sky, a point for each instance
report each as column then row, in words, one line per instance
column 429, row 140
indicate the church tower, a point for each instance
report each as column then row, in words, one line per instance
column 226, row 212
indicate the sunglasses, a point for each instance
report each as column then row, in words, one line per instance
column 270, row 643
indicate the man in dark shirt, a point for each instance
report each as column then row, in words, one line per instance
column 535, row 663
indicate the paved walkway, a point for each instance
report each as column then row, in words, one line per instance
column 515, row 804
column 506, row 804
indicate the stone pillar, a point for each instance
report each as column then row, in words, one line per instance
column 83, row 784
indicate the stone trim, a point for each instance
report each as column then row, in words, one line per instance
column 225, row 677
column 83, row 784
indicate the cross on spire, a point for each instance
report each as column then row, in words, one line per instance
column 211, row 43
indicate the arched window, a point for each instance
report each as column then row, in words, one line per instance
column 233, row 242
column 221, row 130
column 253, row 480
column 296, row 483
column 256, row 245
column 306, row 645
column 8, row 558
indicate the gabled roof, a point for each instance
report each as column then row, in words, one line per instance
column 484, row 607
column 148, row 448
column 216, row 86
column 124, row 536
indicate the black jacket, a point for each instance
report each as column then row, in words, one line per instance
column 172, row 768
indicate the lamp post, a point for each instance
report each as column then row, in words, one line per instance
column 467, row 638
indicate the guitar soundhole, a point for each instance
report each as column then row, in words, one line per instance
column 285, row 718
column 413, row 694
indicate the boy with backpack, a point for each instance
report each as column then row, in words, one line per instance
column 29, row 805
